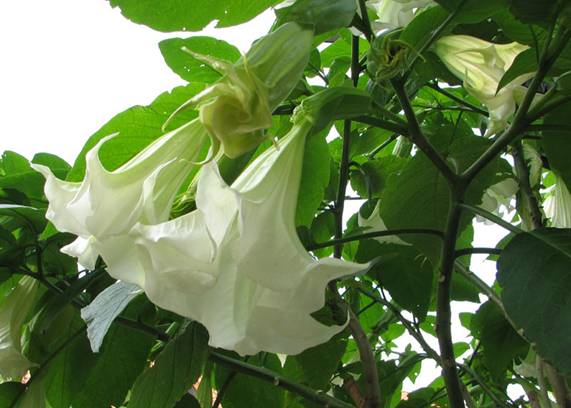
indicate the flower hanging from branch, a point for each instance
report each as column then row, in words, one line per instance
column 236, row 264
column 481, row 66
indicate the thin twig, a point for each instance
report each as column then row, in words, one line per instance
column 376, row 234
column 278, row 380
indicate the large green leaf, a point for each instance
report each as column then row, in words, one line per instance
column 500, row 342
column 190, row 15
column 536, row 11
column 534, row 271
column 314, row 179
column 315, row 366
column 524, row 63
column 419, row 197
column 403, row 271
column 174, row 372
column 323, row 15
column 136, row 127
column 247, row 392
column 123, row 356
column 557, row 145
column 473, row 11
column 188, row 67
column 20, row 176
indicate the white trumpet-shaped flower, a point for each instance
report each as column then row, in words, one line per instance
column 107, row 204
column 481, row 66
column 236, row 264
column 557, row 205
column 13, row 311
column 395, row 13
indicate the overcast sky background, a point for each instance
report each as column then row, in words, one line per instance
column 68, row 66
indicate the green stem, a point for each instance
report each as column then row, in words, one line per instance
column 457, row 99
column 492, row 217
column 367, row 23
column 526, row 197
column 553, row 128
column 371, row 378
column 443, row 310
column 376, row 234
column 269, row 376
column 471, row 251
column 418, row 138
column 383, row 124
column 480, row 284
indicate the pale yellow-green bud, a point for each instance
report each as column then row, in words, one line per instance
column 237, row 109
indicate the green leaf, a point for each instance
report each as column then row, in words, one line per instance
column 247, row 392
column 371, row 178
column 174, row 372
column 473, row 11
column 56, row 304
column 30, row 217
column 500, row 342
column 524, row 63
column 188, row 67
column 122, row 357
column 101, row 312
column 315, row 366
column 187, row 401
column 57, row 165
column 190, row 15
column 421, row 27
column 426, row 194
column 518, row 31
column 534, row 271
column 137, row 127
column 322, row 15
column 462, row 290
column 20, row 176
column 534, row 12
column 314, row 179
column 9, row 391
column 403, row 271
column 558, row 144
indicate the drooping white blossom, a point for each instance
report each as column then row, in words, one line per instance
column 236, row 264
column 481, row 66
column 107, row 204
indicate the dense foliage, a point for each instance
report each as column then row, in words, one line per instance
column 431, row 115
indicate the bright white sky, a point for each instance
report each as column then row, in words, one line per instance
column 69, row 66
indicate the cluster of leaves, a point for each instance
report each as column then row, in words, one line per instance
column 393, row 147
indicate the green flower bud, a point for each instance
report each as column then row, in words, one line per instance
column 388, row 57
column 237, row 109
